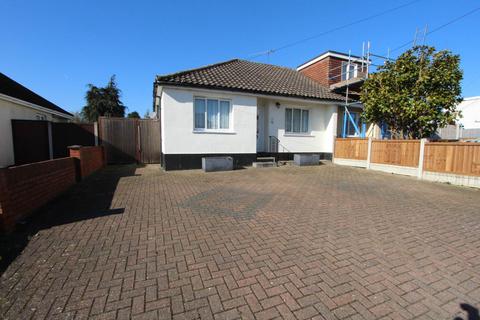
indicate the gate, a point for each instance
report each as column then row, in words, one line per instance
column 129, row 140
column 149, row 138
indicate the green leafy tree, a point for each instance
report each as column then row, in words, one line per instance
column 133, row 114
column 103, row 101
column 416, row 94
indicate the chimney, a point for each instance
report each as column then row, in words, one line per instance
column 331, row 67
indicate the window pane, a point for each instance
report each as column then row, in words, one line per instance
column 288, row 120
column 296, row 120
column 212, row 114
column 351, row 71
column 199, row 113
column 344, row 71
column 224, row 114
column 304, row 120
column 350, row 126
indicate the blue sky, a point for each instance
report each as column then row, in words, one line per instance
column 57, row 47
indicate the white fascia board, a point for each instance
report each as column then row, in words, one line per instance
column 471, row 98
column 34, row 106
column 329, row 54
column 266, row 96
column 157, row 97
column 158, row 93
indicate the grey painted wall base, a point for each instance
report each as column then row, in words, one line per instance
column 210, row 164
column 301, row 159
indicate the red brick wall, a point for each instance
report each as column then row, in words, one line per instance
column 23, row 189
column 326, row 71
column 319, row 71
column 91, row 159
column 28, row 187
column 335, row 70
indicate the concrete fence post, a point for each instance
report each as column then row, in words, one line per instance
column 369, row 152
column 333, row 148
column 95, row 132
column 421, row 158
column 50, row 140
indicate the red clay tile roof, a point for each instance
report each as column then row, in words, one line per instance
column 252, row 77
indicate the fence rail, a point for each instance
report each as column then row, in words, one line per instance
column 351, row 148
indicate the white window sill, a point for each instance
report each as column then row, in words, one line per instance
column 214, row 131
column 299, row 134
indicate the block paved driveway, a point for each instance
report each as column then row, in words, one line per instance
column 320, row 242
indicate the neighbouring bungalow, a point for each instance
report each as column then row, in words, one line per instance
column 467, row 127
column 245, row 109
column 18, row 102
column 470, row 108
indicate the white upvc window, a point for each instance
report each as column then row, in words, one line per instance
column 212, row 114
column 296, row 120
column 349, row 70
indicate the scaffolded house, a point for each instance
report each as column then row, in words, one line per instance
column 245, row 109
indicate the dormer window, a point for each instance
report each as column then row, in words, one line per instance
column 349, row 70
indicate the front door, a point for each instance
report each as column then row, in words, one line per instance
column 260, row 129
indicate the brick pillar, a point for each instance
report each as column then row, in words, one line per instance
column 76, row 152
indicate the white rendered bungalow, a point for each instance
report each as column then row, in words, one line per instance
column 243, row 109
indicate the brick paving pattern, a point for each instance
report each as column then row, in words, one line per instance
column 321, row 242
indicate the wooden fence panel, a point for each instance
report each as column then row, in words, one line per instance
column 149, row 138
column 129, row 140
column 396, row 152
column 351, row 148
column 66, row 134
column 30, row 141
column 452, row 157
column 119, row 138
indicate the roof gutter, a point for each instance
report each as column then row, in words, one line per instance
column 253, row 94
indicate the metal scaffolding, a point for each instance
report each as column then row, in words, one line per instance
column 364, row 70
column 365, row 65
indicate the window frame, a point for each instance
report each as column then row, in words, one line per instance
column 346, row 75
column 301, row 132
column 350, row 125
column 217, row 129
